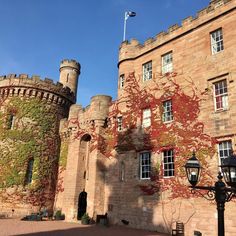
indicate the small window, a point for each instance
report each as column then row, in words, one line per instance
column 167, row 65
column 145, row 165
column 221, row 95
column 225, row 149
column 146, row 122
column 217, row 41
column 11, row 121
column 168, row 163
column 167, row 115
column 119, row 123
column 147, row 71
column 29, row 171
column 122, row 171
column 122, row 81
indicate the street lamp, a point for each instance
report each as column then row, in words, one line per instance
column 219, row 192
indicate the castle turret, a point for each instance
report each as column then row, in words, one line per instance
column 69, row 73
column 99, row 108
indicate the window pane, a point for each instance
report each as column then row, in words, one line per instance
column 168, row 163
column 167, row 111
column 221, row 95
column 122, row 81
column 167, row 65
column 146, row 122
column 225, row 148
column 145, row 165
column 29, row 171
column 119, row 123
column 217, row 41
column 147, row 71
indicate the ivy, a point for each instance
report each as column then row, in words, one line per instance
column 63, row 154
column 184, row 134
column 33, row 135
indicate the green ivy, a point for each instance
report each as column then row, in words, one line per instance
column 63, row 154
column 34, row 130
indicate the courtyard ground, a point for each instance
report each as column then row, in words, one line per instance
column 59, row 228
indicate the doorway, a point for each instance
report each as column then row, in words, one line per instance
column 82, row 204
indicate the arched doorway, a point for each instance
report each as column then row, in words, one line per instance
column 82, row 204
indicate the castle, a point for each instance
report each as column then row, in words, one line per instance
column 176, row 95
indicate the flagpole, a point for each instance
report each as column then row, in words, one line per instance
column 125, row 25
column 127, row 15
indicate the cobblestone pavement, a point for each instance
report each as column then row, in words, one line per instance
column 59, row 228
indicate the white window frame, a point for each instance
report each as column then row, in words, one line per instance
column 146, row 118
column 167, row 62
column 168, row 163
column 224, row 149
column 119, row 123
column 122, row 81
column 221, row 95
column 147, row 71
column 217, row 43
column 167, row 115
column 145, row 165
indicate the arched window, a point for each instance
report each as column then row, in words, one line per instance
column 29, row 171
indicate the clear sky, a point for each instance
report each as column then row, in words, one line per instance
column 37, row 34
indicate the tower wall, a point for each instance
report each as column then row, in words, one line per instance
column 69, row 73
column 37, row 107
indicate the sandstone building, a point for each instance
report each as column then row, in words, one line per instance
column 30, row 114
column 176, row 94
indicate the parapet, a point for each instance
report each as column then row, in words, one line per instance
column 70, row 63
column 133, row 49
column 24, row 85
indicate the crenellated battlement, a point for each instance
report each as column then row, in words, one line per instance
column 70, row 63
column 23, row 85
column 133, row 49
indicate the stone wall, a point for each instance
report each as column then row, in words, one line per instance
column 114, row 185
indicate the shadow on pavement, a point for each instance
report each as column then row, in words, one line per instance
column 96, row 231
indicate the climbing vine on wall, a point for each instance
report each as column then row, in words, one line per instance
column 33, row 135
column 184, row 134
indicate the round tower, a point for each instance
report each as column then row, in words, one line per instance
column 69, row 73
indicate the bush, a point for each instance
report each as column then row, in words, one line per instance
column 85, row 219
column 59, row 216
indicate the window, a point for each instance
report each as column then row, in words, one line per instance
column 122, row 171
column 217, row 41
column 168, row 163
column 221, row 95
column 146, row 122
column 147, row 71
column 145, row 165
column 119, row 123
column 29, row 171
column 167, row 65
column 225, row 148
column 11, row 121
column 167, row 111
column 122, row 81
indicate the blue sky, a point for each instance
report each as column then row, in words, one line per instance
column 37, row 34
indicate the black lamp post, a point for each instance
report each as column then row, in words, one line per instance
column 219, row 192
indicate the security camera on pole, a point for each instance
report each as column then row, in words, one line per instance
column 127, row 15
